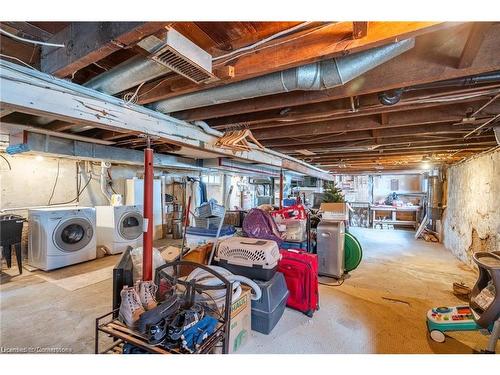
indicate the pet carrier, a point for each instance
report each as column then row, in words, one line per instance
column 250, row 257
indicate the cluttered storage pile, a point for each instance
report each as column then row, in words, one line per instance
column 208, row 296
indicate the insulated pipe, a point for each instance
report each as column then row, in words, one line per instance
column 147, row 240
column 317, row 76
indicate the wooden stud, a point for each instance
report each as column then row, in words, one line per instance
column 359, row 29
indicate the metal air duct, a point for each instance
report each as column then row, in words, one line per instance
column 317, row 76
column 128, row 74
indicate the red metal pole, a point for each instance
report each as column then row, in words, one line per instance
column 147, row 242
column 281, row 189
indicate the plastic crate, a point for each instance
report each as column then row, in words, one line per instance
column 209, row 209
column 268, row 310
column 207, row 222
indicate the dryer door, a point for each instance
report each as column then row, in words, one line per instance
column 73, row 234
column 130, row 225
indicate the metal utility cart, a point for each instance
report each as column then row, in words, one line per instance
column 120, row 334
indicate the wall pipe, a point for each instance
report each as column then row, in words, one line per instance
column 105, row 165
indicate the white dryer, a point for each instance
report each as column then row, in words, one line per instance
column 119, row 227
column 61, row 236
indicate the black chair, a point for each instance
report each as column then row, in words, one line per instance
column 11, row 230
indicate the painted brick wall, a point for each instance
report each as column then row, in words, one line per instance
column 471, row 220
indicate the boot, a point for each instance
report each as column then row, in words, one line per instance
column 147, row 291
column 130, row 307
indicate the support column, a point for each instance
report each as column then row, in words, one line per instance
column 147, row 246
column 281, row 189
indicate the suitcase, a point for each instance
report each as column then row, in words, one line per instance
column 301, row 274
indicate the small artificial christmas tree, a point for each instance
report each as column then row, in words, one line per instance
column 332, row 194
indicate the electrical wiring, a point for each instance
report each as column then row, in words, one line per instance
column 7, row 161
column 19, row 60
column 131, row 97
column 111, row 181
column 78, row 191
column 38, row 42
column 55, row 182
column 260, row 42
column 77, row 196
column 341, row 281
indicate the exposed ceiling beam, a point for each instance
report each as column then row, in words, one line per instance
column 89, row 42
column 400, row 152
column 436, row 115
column 321, row 43
column 369, row 105
column 410, row 131
column 432, row 59
column 394, row 144
column 473, row 44
column 32, row 92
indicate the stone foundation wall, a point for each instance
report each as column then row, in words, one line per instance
column 471, row 221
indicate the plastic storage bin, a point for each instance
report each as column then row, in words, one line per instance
column 210, row 209
column 207, row 222
column 268, row 310
column 294, row 245
column 200, row 236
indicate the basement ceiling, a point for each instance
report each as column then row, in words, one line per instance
column 436, row 101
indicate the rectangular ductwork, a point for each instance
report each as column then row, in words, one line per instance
column 184, row 57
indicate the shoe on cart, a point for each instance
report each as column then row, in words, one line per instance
column 147, row 292
column 130, row 307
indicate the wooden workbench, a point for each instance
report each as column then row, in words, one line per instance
column 394, row 210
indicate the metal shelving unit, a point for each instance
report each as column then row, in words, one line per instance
column 111, row 327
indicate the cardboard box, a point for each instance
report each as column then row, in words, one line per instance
column 334, row 211
column 241, row 323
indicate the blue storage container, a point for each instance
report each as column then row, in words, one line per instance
column 268, row 310
column 287, row 202
column 226, row 230
column 294, row 245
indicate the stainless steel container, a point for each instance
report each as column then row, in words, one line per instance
column 330, row 248
column 176, row 229
column 435, row 197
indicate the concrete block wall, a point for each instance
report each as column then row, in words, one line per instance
column 471, row 221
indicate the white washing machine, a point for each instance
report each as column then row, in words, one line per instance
column 118, row 227
column 61, row 236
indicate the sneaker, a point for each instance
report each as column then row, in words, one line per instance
column 130, row 307
column 147, row 291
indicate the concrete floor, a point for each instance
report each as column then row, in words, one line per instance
column 379, row 309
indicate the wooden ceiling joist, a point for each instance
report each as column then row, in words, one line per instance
column 332, row 40
column 27, row 91
column 433, row 59
column 416, row 117
column 89, row 42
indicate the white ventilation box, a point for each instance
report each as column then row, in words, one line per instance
column 184, row 57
